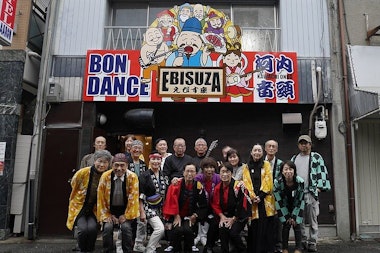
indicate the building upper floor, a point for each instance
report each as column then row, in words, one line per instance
column 266, row 26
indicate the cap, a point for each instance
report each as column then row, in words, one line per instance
column 137, row 143
column 120, row 157
column 165, row 12
column 304, row 138
column 192, row 25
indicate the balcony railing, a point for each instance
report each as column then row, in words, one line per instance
column 131, row 38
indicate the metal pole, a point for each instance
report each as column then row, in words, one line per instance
column 348, row 134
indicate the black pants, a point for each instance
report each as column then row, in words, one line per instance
column 260, row 235
column 297, row 235
column 188, row 234
column 232, row 234
column 212, row 233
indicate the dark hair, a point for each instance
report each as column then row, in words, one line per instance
column 190, row 163
column 251, row 162
column 227, row 165
column 208, row 162
column 291, row 165
column 158, row 140
column 231, row 152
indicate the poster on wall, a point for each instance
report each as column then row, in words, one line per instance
column 2, row 157
column 191, row 53
column 7, row 21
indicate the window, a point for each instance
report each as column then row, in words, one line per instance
column 130, row 20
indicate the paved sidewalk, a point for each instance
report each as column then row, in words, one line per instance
column 65, row 245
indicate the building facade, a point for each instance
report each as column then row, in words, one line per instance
column 67, row 112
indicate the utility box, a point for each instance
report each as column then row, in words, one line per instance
column 53, row 93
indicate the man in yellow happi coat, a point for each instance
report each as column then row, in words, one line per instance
column 118, row 203
column 82, row 203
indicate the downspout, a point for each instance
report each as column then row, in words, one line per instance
column 348, row 135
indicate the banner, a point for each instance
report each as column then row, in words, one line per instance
column 191, row 53
column 263, row 77
column 7, row 20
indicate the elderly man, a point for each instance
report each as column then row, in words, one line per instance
column 118, row 203
column 100, row 143
column 82, row 205
column 200, row 147
column 174, row 164
column 185, row 204
column 271, row 148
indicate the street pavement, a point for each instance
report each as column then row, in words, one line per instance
column 54, row 244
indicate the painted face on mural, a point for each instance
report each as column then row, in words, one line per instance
column 232, row 59
column 184, row 14
column 153, row 36
column 190, row 41
column 166, row 20
column 216, row 22
column 198, row 12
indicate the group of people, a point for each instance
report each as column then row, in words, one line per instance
column 246, row 207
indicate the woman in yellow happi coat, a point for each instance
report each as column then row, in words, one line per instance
column 258, row 179
column 82, row 202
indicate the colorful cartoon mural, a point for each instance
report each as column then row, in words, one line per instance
column 192, row 38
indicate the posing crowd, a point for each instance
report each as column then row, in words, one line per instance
column 246, row 207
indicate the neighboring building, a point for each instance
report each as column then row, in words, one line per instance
column 19, row 78
column 361, row 43
column 68, row 115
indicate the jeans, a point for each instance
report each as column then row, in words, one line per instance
column 140, row 232
column 311, row 216
column 158, row 232
column 126, row 236
column 297, row 235
column 87, row 232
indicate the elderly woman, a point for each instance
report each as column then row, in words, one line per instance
column 83, row 197
column 257, row 177
column 152, row 193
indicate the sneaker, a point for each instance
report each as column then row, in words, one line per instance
column 168, row 249
column 139, row 247
column 304, row 245
column 312, row 248
column 194, row 248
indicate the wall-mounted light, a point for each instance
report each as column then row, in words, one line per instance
column 101, row 119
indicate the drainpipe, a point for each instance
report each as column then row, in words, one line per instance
column 348, row 135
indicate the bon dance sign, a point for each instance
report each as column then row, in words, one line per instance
column 191, row 53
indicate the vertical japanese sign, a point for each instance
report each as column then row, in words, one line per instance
column 7, row 21
column 2, row 157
